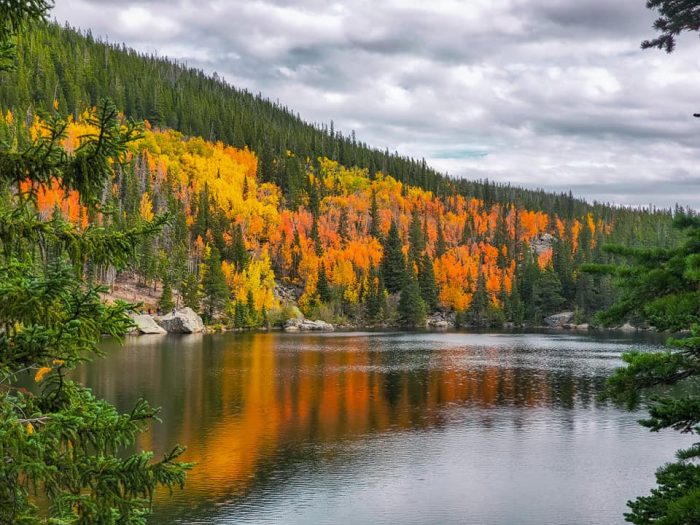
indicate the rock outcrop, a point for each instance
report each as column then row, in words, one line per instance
column 305, row 325
column 441, row 320
column 542, row 243
column 558, row 320
column 145, row 324
column 183, row 321
column 627, row 327
column 287, row 293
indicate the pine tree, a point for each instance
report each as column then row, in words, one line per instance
column 415, row 237
column 203, row 218
column 318, row 247
column 411, row 307
column 214, row 285
column 662, row 285
column 323, row 287
column 374, row 218
column 166, row 302
column 393, row 264
column 428, row 287
column 375, row 299
column 251, row 314
column 440, row 243
column 296, row 255
column 477, row 315
column 547, row 294
column 62, row 443
column 239, row 254
column 191, row 295
column 343, row 225
column 239, row 315
column 514, row 308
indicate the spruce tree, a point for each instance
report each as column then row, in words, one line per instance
column 428, row 286
column 61, row 443
column 214, row 287
column 343, row 225
column 166, row 302
column 662, row 285
column 374, row 218
column 477, row 314
column 239, row 254
column 393, row 265
column 191, row 294
column 411, row 307
column 514, row 308
column 440, row 243
column 323, row 287
column 416, row 239
column 375, row 300
column 547, row 294
column 239, row 315
column 251, row 313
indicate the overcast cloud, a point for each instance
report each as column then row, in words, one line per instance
column 540, row 93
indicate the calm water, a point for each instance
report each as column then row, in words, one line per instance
column 389, row 428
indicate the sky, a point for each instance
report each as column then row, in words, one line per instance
column 552, row 94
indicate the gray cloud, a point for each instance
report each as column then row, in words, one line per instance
column 544, row 93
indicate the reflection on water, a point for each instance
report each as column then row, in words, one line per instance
column 387, row 428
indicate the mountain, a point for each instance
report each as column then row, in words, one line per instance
column 258, row 198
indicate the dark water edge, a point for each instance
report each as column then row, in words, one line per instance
column 390, row 427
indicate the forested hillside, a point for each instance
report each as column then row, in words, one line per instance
column 257, row 198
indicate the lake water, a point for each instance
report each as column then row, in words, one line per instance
column 389, row 428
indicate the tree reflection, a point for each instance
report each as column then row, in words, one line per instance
column 244, row 404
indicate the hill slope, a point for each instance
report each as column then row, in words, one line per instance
column 275, row 200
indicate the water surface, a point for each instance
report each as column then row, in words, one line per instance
column 384, row 428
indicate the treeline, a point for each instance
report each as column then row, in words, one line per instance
column 259, row 198
column 358, row 248
column 77, row 70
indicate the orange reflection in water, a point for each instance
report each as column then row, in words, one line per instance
column 242, row 404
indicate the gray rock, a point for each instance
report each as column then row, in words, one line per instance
column 306, row 325
column 183, row 321
column 627, row 327
column 559, row 320
column 440, row 320
column 542, row 243
column 584, row 326
column 145, row 324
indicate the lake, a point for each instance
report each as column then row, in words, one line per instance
column 389, row 428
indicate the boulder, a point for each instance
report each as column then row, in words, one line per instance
column 440, row 320
column 627, row 327
column 183, row 321
column 145, row 324
column 558, row 320
column 584, row 326
column 306, row 325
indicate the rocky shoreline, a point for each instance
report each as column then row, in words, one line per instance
column 186, row 321
column 182, row 321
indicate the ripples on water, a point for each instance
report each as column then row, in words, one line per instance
column 389, row 428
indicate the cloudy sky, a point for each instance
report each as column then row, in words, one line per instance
column 540, row 93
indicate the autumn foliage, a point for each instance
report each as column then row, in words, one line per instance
column 337, row 221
